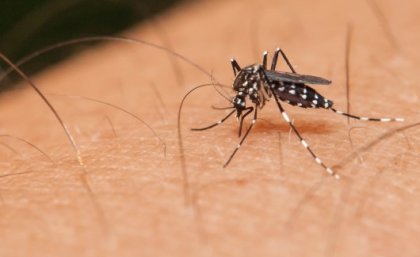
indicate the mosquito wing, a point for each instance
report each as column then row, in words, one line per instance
column 296, row 78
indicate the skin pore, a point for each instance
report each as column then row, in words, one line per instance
column 129, row 197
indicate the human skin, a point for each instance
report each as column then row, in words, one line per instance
column 126, row 197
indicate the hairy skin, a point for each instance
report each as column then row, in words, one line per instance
column 273, row 199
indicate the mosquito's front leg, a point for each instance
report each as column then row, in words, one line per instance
column 215, row 124
column 254, row 120
column 249, row 110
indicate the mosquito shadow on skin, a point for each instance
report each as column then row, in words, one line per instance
column 313, row 127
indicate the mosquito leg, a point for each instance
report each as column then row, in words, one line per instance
column 303, row 142
column 367, row 118
column 265, row 60
column 274, row 61
column 215, row 124
column 276, row 54
column 221, row 108
column 235, row 66
column 254, row 120
column 249, row 110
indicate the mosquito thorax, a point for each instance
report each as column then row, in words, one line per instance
column 247, row 77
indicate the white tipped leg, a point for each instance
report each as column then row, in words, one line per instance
column 304, row 143
column 254, row 120
column 265, row 60
column 214, row 124
column 367, row 118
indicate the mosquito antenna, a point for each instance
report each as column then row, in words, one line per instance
column 161, row 141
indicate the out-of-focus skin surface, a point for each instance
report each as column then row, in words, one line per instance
column 273, row 199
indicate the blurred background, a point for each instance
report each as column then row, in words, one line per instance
column 29, row 25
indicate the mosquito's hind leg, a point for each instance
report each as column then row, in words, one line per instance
column 367, row 118
column 275, row 57
column 303, row 142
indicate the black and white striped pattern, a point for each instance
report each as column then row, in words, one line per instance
column 368, row 118
column 303, row 142
column 258, row 84
column 300, row 95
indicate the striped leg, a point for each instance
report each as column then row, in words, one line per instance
column 265, row 60
column 367, row 118
column 303, row 142
column 235, row 66
column 214, row 124
column 275, row 57
column 254, row 120
column 222, row 108
column 249, row 110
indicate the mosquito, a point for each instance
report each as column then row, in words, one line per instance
column 259, row 84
